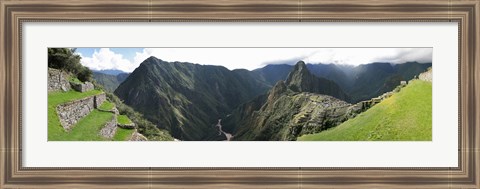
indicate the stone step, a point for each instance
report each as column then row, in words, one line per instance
column 110, row 128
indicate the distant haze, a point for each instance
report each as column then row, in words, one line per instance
column 127, row 59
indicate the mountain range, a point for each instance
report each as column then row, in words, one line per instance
column 110, row 72
column 360, row 82
column 282, row 114
column 108, row 81
column 187, row 99
column 263, row 104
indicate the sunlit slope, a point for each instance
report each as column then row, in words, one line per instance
column 406, row 116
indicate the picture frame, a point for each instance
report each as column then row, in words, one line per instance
column 14, row 13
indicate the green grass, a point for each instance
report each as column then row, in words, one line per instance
column 88, row 128
column 123, row 119
column 75, row 80
column 55, row 130
column 406, row 116
column 56, row 98
column 106, row 106
column 123, row 134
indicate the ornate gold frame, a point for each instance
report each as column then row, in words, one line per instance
column 14, row 12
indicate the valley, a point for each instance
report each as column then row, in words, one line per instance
column 227, row 135
column 159, row 100
column 277, row 102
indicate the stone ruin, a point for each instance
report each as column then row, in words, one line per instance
column 71, row 112
column 82, row 87
column 426, row 76
column 57, row 80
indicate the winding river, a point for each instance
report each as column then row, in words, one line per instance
column 228, row 135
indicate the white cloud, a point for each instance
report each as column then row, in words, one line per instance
column 422, row 55
column 106, row 59
column 252, row 58
column 356, row 56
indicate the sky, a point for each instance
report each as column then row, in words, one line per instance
column 127, row 59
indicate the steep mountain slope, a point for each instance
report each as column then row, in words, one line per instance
column 187, row 99
column 301, row 80
column 406, row 115
column 290, row 109
column 109, row 82
column 340, row 74
column 359, row 82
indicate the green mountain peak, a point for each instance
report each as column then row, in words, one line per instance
column 301, row 80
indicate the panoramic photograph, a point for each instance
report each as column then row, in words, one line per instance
column 240, row 94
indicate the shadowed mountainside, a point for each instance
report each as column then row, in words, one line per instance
column 187, row 99
column 109, row 82
column 359, row 82
column 302, row 104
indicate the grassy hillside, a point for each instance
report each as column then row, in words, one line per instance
column 406, row 116
column 55, row 130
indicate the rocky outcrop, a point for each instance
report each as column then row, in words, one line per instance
column 71, row 112
column 277, row 90
column 110, row 128
column 82, row 87
column 57, row 80
column 426, row 76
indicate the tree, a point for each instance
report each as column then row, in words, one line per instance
column 85, row 74
column 66, row 59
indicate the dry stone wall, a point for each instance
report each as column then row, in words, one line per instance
column 57, row 80
column 71, row 112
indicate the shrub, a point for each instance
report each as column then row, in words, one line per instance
column 85, row 74
column 66, row 59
